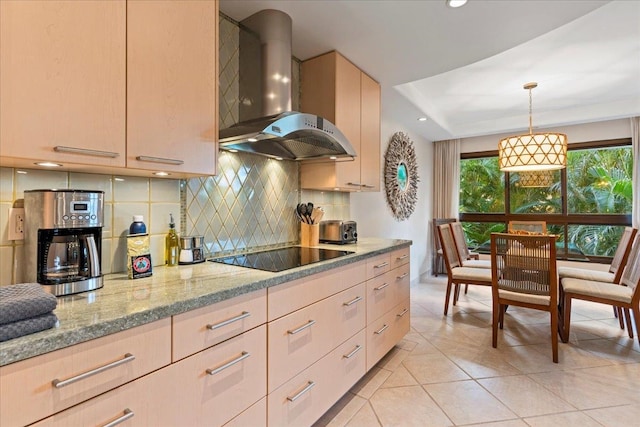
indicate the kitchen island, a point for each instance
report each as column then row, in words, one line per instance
column 160, row 315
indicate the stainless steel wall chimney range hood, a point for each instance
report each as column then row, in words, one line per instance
column 280, row 132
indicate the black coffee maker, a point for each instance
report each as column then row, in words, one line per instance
column 63, row 239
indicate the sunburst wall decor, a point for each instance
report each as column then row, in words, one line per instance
column 401, row 176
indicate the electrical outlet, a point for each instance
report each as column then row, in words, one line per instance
column 16, row 224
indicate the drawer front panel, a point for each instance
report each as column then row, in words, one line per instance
column 386, row 291
column 27, row 387
column 378, row 265
column 255, row 416
column 301, row 338
column 303, row 399
column 400, row 257
column 385, row 332
column 227, row 378
column 199, row 329
column 286, row 298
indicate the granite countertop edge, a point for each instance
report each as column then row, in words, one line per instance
column 32, row 345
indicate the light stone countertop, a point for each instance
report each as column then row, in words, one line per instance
column 123, row 303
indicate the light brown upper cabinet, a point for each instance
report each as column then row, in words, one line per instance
column 110, row 86
column 62, row 82
column 334, row 88
column 172, row 79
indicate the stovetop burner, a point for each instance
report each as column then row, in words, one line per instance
column 281, row 259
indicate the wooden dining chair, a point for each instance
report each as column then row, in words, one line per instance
column 524, row 274
column 614, row 273
column 626, row 296
column 456, row 273
column 466, row 257
column 438, row 259
column 530, row 226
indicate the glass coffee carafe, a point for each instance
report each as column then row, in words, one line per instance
column 68, row 256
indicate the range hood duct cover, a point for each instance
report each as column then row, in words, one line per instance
column 281, row 133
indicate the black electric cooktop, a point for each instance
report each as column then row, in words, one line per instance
column 282, row 258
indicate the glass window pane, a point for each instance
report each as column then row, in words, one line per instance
column 535, row 192
column 481, row 186
column 599, row 180
column 598, row 240
column 479, row 234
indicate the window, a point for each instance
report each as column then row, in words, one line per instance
column 587, row 205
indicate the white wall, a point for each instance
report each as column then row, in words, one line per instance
column 374, row 217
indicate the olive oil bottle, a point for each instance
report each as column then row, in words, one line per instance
column 171, row 244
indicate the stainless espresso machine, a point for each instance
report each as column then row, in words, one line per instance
column 63, row 239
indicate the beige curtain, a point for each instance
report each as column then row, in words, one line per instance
column 446, row 178
column 635, row 178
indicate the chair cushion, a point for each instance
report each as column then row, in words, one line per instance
column 473, row 274
column 527, row 298
column 585, row 274
column 477, row 263
column 597, row 289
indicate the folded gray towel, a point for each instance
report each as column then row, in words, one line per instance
column 27, row 326
column 23, row 301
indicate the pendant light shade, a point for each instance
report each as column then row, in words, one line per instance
column 533, row 179
column 533, row 151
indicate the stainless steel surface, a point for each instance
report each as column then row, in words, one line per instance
column 127, row 413
column 241, row 316
column 230, row 363
column 55, row 209
column 86, row 151
column 308, row 387
column 405, row 311
column 186, row 242
column 191, row 250
column 381, row 287
column 353, row 301
column 128, row 357
column 75, row 287
column 94, row 258
column 381, row 330
column 151, row 159
column 280, row 132
column 339, row 232
column 301, row 328
column 353, row 352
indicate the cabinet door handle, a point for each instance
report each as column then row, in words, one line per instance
column 296, row 396
column 381, row 330
column 61, row 383
column 353, row 352
column 230, row 363
column 402, row 276
column 384, row 264
column 160, row 160
column 85, row 151
column 353, row 301
column 354, row 184
column 228, row 321
column 367, row 186
column 381, row 287
column 405, row 311
column 128, row 413
column 301, row 328
column 400, row 258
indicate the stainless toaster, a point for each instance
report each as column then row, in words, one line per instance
column 338, row 231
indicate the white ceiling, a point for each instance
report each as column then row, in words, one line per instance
column 464, row 68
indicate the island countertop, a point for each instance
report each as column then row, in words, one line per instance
column 123, row 303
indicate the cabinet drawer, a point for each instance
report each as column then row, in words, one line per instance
column 378, row 265
column 27, row 387
column 302, row 337
column 386, row 291
column 303, row 399
column 255, row 416
column 386, row 331
column 226, row 379
column 147, row 401
column 199, row 329
column 286, row 298
column 400, row 257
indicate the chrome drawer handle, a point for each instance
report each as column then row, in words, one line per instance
column 230, row 363
column 296, row 396
column 381, row 287
column 353, row 301
column 86, row 151
column 301, row 328
column 402, row 276
column 241, row 316
column 400, row 258
column 353, row 352
column 159, row 160
column 405, row 311
column 381, row 330
column 384, row 264
column 61, row 383
column 128, row 413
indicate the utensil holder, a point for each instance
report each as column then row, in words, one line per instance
column 309, row 234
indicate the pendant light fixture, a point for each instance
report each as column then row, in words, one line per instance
column 536, row 179
column 533, row 151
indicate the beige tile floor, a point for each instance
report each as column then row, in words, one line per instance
column 445, row 372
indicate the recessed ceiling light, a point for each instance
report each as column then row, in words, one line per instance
column 422, row 119
column 333, row 158
column 233, row 150
column 456, row 3
column 49, row 164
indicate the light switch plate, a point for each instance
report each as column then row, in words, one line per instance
column 16, row 224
